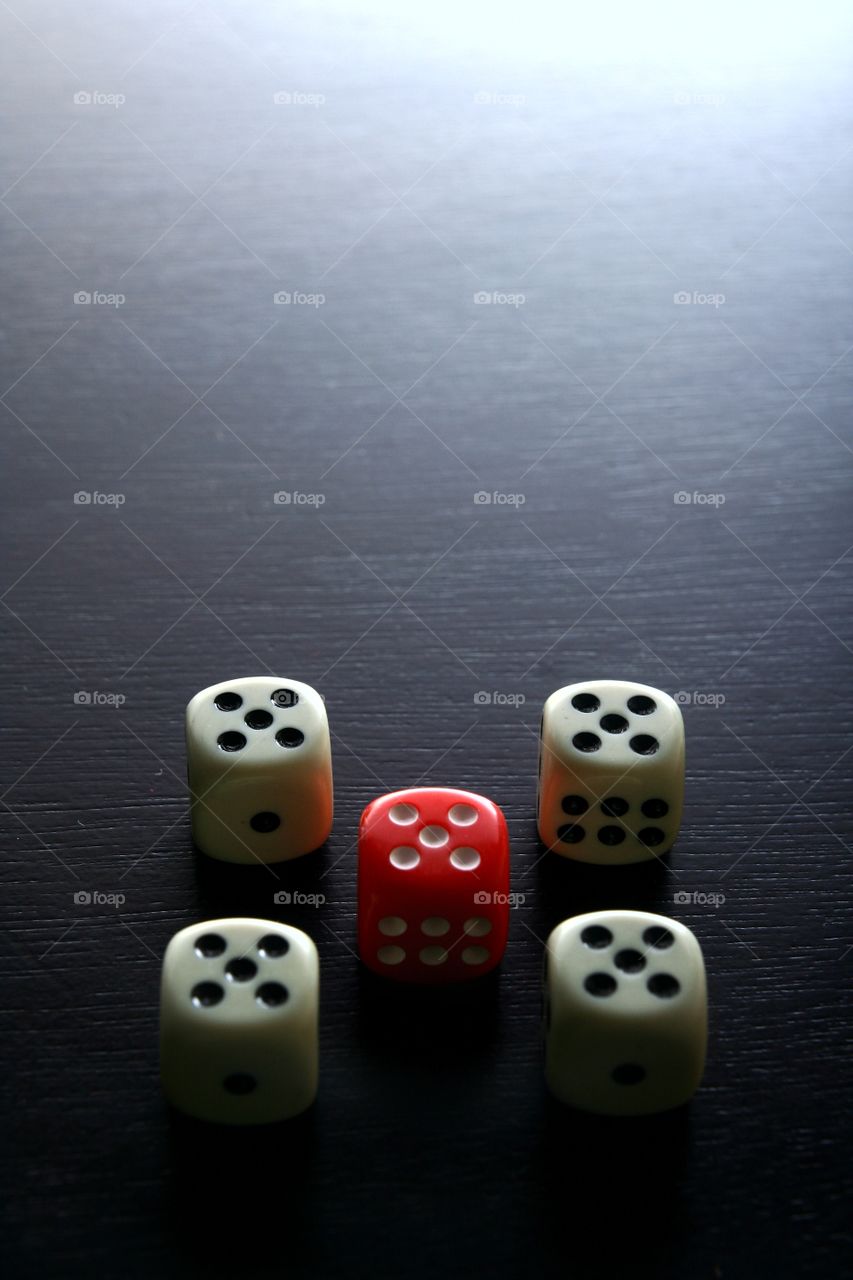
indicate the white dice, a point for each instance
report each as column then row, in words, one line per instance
column 259, row 764
column 611, row 772
column 238, row 1021
column 625, row 1013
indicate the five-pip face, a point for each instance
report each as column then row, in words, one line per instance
column 260, row 769
column 433, row 885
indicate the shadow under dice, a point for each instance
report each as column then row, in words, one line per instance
column 238, row 1021
column 433, row 885
column 259, row 764
column 611, row 772
column 625, row 1013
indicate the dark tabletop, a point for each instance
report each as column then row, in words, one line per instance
column 557, row 387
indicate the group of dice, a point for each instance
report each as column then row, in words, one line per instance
column 625, row 998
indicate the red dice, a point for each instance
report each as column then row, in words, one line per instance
column 433, row 885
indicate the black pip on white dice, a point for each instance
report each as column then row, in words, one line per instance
column 259, row 764
column 611, row 772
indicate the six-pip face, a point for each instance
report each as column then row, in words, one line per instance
column 611, row 772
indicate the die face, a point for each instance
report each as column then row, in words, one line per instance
column 611, row 772
column 433, row 885
column 626, row 1013
column 238, row 1021
column 260, row 769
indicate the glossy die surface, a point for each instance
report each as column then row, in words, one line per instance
column 259, row 764
column 611, row 772
column 433, row 885
column 625, row 1013
column 238, row 1021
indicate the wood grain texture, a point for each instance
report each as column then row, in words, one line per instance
column 612, row 180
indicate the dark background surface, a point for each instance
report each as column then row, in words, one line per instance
column 597, row 165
